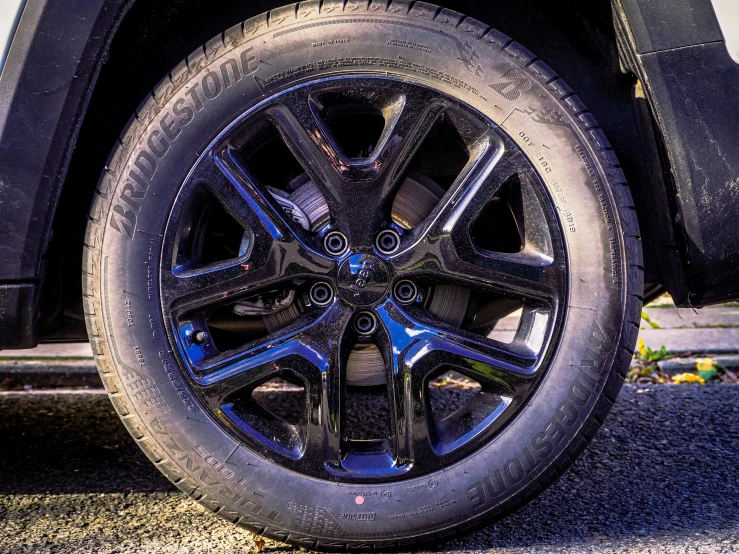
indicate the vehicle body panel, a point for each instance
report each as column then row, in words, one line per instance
column 727, row 14
column 44, row 89
column 692, row 86
column 10, row 13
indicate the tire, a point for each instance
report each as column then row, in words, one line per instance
column 141, row 356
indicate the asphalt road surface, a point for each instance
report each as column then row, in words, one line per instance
column 662, row 476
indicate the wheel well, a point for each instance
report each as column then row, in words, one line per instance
column 577, row 41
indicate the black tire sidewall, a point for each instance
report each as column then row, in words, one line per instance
column 260, row 494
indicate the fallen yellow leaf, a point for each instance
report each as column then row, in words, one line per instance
column 642, row 348
column 705, row 364
column 688, row 378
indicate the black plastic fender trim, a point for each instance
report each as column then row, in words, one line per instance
column 45, row 86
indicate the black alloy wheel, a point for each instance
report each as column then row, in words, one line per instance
column 443, row 256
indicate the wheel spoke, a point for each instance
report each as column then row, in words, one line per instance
column 408, row 405
column 413, row 340
column 305, row 137
column 315, row 150
column 187, row 289
column 524, row 275
column 473, row 186
column 326, row 341
column 514, row 172
column 490, row 169
column 410, row 419
column 271, row 217
column 418, row 349
column 479, row 416
column 372, row 179
column 444, row 246
column 276, row 253
column 408, row 123
column 306, row 350
column 245, row 369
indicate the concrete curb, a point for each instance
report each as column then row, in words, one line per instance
column 48, row 374
column 698, row 342
column 685, row 365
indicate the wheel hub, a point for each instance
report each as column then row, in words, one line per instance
column 363, row 280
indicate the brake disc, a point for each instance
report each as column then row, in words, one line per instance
column 415, row 200
column 448, row 303
column 365, row 367
column 280, row 319
column 312, row 203
column 293, row 210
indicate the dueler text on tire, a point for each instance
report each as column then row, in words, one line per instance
column 362, row 274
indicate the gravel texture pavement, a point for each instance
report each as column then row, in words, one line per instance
column 662, row 476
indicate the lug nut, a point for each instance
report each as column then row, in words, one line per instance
column 388, row 241
column 406, row 292
column 321, row 294
column 365, row 323
column 200, row 337
column 335, row 243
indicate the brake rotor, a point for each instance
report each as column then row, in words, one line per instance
column 280, row 319
column 365, row 367
column 448, row 303
column 291, row 209
column 312, row 203
column 415, row 200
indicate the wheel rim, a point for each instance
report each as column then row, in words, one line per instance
column 278, row 264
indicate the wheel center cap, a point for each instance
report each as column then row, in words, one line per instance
column 363, row 279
